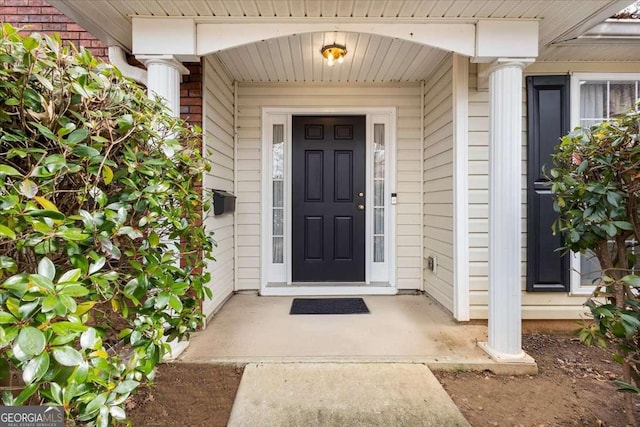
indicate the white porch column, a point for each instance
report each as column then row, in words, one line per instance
column 505, row 198
column 164, row 73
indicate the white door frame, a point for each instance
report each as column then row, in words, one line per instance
column 276, row 278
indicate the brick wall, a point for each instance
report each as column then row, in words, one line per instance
column 39, row 16
column 191, row 94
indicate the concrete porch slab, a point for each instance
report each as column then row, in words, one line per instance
column 306, row 394
column 399, row 329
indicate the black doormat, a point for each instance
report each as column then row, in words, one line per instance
column 328, row 306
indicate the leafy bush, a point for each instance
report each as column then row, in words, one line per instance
column 100, row 255
column 597, row 187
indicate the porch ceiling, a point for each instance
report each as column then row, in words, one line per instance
column 371, row 58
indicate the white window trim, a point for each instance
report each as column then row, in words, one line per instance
column 577, row 288
column 379, row 278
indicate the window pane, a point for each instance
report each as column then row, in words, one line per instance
column 589, row 269
column 593, row 100
column 278, row 222
column 622, row 97
column 378, row 249
column 378, row 193
column 278, row 250
column 278, row 151
column 378, row 150
column 278, row 194
column 378, row 221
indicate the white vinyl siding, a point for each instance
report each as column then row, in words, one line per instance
column 405, row 97
column 218, row 147
column 438, row 182
column 545, row 305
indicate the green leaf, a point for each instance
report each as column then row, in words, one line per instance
column 80, row 261
column 67, row 356
column 41, row 281
column 44, row 81
column 631, row 280
column 131, row 232
column 96, row 266
column 28, row 188
column 68, row 302
column 26, row 393
column 85, row 151
column 623, row 225
column 95, row 405
column 89, row 339
column 74, row 234
column 73, row 290
column 84, row 307
column 70, row 276
column 7, row 232
column 175, row 303
column 46, row 204
column 626, row 387
column 7, row 318
column 9, row 170
column 46, row 268
column 65, row 327
column 36, row 368
column 77, row 136
column 45, row 131
column 31, row 340
column 126, row 386
column 49, row 303
column 117, row 413
column 30, row 43
column 154, row 240
column 46, row 213
column 107, row 174
column 614, row 198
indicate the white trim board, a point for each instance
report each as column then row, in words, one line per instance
column 280, row 274
column 461, row 297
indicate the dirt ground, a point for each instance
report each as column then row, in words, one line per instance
column 573, row 388
column 187, row 395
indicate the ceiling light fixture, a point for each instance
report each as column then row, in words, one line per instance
column 334, row 53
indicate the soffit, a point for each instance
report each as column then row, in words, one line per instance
column 297, row 58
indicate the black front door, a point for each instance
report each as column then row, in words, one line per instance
column 328, row 218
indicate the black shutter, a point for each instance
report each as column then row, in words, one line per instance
column 548, row 120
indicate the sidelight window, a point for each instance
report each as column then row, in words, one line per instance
column 277, row 180
column 378, row 192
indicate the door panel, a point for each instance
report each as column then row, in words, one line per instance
column 328, row 173
column 314, row 176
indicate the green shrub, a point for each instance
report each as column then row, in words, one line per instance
column 596, row 184
column 100, row 252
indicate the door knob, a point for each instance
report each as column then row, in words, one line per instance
column 360, row 207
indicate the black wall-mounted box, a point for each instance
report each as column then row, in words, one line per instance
column 223, row 202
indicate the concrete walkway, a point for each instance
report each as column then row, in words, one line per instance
column 342, row 394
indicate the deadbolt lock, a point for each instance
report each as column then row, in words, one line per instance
column 360, row 194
